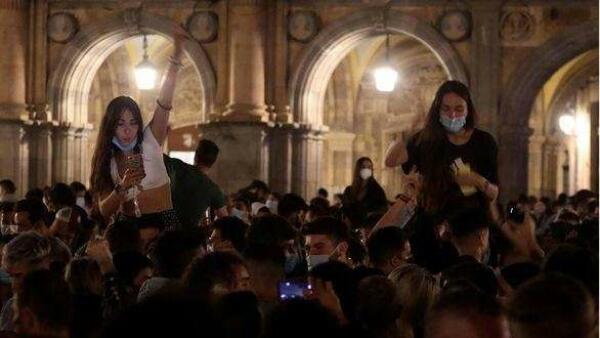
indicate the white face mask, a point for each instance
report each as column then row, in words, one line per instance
column 365, row 173
column 80, row 202
column 243, row 215
column 314, row 260
column 272, row 205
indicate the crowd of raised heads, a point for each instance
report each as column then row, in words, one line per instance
column 154, row 247
column 281, row 266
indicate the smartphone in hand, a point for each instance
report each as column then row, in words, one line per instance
column 293, row 288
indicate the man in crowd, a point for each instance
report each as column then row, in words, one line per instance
column 326, row 238
column 192, row 191
column 388, row 249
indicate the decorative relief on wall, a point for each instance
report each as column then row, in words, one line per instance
column 455, row 25
column 203, row 26
column 303, row 25
column 62, row 27
column 517, row 26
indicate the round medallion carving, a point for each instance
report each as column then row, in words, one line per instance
column 517, row 26
column 62, row 27
column 203, row 26
column 303, row 25
column 455, row 25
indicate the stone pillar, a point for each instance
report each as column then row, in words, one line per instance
column 512, row 160
column 14, row 150
column 13, row 24
column 244, row 153
column 308, row 149
column 281, row 155
column 485, row 62
column 246, row 20
column 551, row 167
column 64, row 155
column 40, row 155
column 535, row 165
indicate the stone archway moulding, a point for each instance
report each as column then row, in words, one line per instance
column 70, row 84
column 321, row 57
column 518, row 99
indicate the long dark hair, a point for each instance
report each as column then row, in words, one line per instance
column 101, row 180
column 356, row 179
column 437, row 177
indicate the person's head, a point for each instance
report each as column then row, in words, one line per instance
column 61, row 196
column 241, row 208
column 123, row 124
column 452, row 108
column 377, row 305
column 460, row 311
column 7, row 213
column 217, row 274
column 322, row 193
column 206, row 154
column 576, row 262
column 292, row 207
column 84, row 277
column 27, row 252
column 175, row 250
column 7, row 187
column 551, row 306
column 388, row 249
column 476, row 274
column 337, row 199
column 342, row 280
column 133, row 268
column 43, row 305
column 417, row 289
column 363, row 170
column 36, row 194
column 29, row 215
column 270, row 238
column 318, row 207
column 301, row 318
column 78, row 188
column 326, row 238
column 123, row 236
column 229, row 234
column 239, row 315
column 470, row 232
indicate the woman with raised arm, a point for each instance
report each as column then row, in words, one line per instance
column 456, row 160
column 129, row 179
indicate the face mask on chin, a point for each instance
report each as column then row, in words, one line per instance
column 124, row 147
column 453, row 125
column 314, row 260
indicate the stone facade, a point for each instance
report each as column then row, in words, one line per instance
column 283, row 86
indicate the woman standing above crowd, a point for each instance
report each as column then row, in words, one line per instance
column 129, row 179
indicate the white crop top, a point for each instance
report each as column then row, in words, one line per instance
column 154, row 166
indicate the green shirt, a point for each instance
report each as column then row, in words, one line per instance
column 192, row 192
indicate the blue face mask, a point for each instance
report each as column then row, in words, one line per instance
column 453, row 125
column 124, row 148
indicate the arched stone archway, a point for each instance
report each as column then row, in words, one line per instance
column 71, row 81
column 319, row 60
column 521, row 90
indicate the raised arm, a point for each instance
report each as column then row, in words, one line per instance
column 160, row 120
column 396, row 154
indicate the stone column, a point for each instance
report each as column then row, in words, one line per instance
column 64, row 156
column 512, row 160
column 308, row 149
column 243, row 155
column 246, row 20
column 40, row 155
column 281, row 155
column 551, row 167
column 535, row 164
column 485, row 62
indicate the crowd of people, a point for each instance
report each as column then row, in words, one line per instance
column 155, row 248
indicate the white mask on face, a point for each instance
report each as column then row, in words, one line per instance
column 80, row 201
column 365, row 173
column 272, row 205
column 314, row 260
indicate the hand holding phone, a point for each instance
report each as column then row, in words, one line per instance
column 293, row 288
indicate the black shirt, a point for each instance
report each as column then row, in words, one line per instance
column 480, row 153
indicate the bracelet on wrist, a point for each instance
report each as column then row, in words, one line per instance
column 175, row 62
column 404, row 198
column 162, row 106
